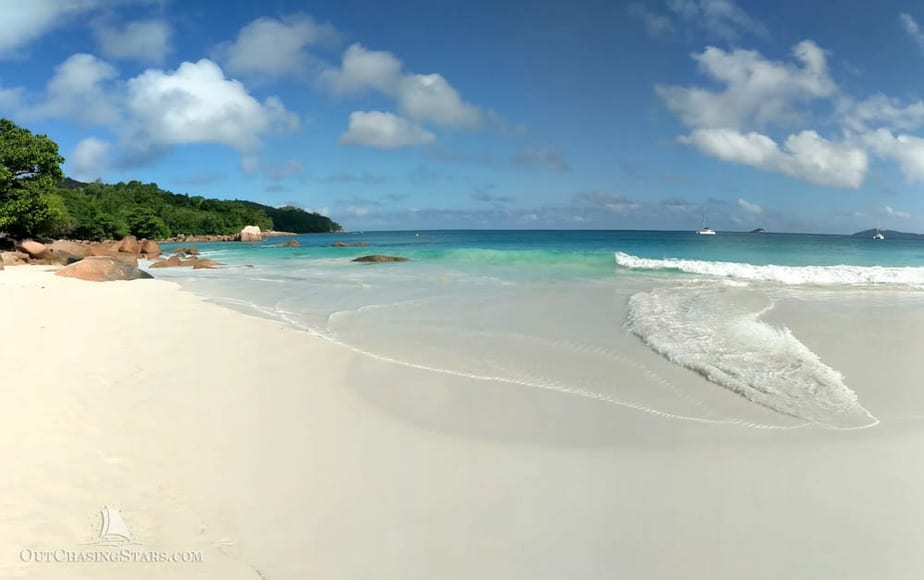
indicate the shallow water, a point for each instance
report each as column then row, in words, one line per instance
column 592, row 314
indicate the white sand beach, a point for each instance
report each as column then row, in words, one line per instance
column 277, row 455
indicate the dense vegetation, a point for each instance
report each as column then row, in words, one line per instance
column 37, row 201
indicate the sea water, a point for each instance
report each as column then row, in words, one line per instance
column 660, row 322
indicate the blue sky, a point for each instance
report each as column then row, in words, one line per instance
column 434, row 114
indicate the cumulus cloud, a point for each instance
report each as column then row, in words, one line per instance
column 275, row 47
column 89, row 159
column 384, row 131
column 197, row 104
column 144, row 40
column 79, row 90
column 757, row 91
column 422, row 98
column 805, row 155
column 748, row 207
column 906, row 150
column 546, row 158
column 26, row 21
column 911, row 28
column 882, row 111
column 656, row 25
column 721, row 18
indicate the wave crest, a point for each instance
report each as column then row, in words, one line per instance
column 789, row 275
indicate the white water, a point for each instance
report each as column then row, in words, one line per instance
column 718, row 333
column 789, row 275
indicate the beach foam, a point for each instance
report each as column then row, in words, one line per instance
column 718, row 333
column 789, row 275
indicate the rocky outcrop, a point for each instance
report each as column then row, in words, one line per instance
column 187, row 251
column 102, row 269
column 194, row 263
column 69, row 247
column 130, row 245
column 204, row 264
column 349, row 245
column 379, row 258
column 35, row 250
column 289, row 244
column 14, row 258
column 150, row 249
column 251, row 234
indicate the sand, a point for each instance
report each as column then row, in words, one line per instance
column 274, row 454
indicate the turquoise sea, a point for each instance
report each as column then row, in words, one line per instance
column 609, row 315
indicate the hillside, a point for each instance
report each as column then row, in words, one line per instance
column 96, row 211
column 889, row 235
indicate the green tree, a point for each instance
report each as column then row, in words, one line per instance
column 143, row 222
column 30, row 168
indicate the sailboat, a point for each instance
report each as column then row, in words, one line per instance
column 113, row 531
column 704, row 231
column 878, row 235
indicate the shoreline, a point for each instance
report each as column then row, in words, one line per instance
column 277, row 453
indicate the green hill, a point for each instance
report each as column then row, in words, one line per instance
column 97, row 211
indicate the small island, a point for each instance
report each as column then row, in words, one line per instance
column 888, row 234
column 758, row 231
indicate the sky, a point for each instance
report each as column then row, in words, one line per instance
column 791, row 115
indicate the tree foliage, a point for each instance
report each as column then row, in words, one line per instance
column 36, row 200
column 30, row 167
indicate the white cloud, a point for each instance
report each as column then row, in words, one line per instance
column 197, row 104
column 78, row 91
column 611, row 202
column 423, row 98
column 656, row 25
column 805, row 155
column 757, row 91
column 89, row 160
column 721, row 18
column 748, row 207
column 907, row 150
column 912, row 29
column 896, row 213
column 144, row 40
column 384, row 130
column 275, row 48
column 25, row 21
column 882, row 111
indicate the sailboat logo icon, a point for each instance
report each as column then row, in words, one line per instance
column 113, row 531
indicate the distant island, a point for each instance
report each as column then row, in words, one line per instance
column 889, row 235
column 759, row 231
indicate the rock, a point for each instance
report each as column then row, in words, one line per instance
column 379, row 258
column 130, row 245
column 1, row 266
column 289, row 244
column 34, row 249
column 61, row 257
column 251, row 234
column 171, row 262
column 205, row 264
column 69, row 247
column 102, row 269
column 350, row 245
column 150, row 248
column 188, row 250
column 14, row 258
column 105, row 249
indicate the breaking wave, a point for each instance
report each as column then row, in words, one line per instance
column 789, row 275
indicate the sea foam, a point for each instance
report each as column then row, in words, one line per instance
column 717, row 332
column 789, row 275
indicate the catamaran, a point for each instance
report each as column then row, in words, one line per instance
column 704, row 231
column 878, row 235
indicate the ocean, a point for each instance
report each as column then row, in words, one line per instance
column 667, row 323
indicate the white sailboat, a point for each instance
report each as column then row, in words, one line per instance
column 878, row 235
column 703, row 230
column 113, row 531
